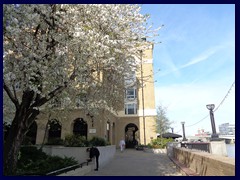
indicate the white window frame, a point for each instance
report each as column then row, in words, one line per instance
column 130, row 107
column 131, row 96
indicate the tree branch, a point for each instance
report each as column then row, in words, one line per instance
column 55, row 92
column 52, row 94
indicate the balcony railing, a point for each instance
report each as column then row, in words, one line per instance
column 202, row 146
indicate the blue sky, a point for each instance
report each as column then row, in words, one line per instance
column 196, row 58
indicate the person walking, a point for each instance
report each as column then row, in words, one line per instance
column 94, row 152
column 122, row 145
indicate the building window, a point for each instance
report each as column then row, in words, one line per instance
column 80, row 127
column 108, row 131
column 31, row 135
column 131, row 108
column 55, row 129
column 131, row 93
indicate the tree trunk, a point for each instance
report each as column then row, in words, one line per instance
column 20, row 125
column 25, row 114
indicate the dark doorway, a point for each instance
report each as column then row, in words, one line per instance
column 113, row 133
column 80, row 127
column 130, row 135
column 55, row 130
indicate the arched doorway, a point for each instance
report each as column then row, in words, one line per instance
column 80, row 127
column 55, row 129
column 113, row 133
column 130, row 135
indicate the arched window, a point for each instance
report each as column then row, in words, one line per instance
column 54, row 130
column 80, row 127
column 31, row 134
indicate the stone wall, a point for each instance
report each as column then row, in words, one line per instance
column 205, row 164
column 155, row 151
column 170, row 147
column 80, row 154
column 106, row 154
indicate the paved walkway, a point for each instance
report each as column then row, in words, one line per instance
column 137, row 163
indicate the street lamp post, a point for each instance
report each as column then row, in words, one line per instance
column 144, row 128
column 184, row 137
column 210, row 107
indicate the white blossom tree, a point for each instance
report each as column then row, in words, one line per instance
column 72, row 52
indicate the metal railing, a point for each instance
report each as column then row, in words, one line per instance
column 66, row 169
column 202, row 146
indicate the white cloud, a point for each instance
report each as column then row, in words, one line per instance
column 203, row 56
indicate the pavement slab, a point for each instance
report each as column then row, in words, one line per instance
column 137, row 163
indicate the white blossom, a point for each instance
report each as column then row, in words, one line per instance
column 43, row 49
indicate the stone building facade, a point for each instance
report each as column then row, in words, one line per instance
column 136, row 122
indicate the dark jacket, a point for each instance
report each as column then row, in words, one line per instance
column 94, row 152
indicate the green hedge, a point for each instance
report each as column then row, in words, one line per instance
column 72, row 140
column 33, row 161
column 98, row 141
column 159, row 143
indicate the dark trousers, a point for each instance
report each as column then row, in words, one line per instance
column 97, row 163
